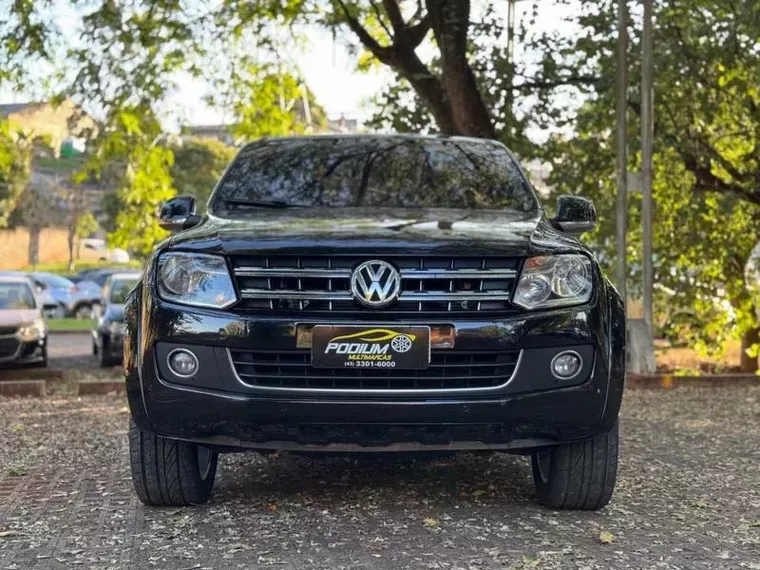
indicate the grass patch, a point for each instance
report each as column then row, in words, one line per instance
column 66, row 325
column 62, row 268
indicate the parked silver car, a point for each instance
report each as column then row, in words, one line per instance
column 23, row 333
column 72, row 299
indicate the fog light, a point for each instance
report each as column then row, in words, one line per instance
column 182, row 362
column 566, row 365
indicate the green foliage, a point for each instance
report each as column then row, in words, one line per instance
column 131, row 139
column 69, row 325
column 86, row 225
column 198, row 164
column 15, row 169
column 707, row 136
column 269, row 100
column 62, row 268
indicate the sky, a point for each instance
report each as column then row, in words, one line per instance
column 328, row 70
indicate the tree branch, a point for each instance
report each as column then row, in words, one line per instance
column 705, row 179
column 380, row 52
column 380, row 18
column 394, row 15
column 551, row 84
column 402, row 58
column 414, row 35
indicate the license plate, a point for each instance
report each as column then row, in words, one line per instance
column 341, row 346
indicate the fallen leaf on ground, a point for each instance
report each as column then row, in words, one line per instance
column 430, row 522
column 606, row 537
column 6, row 533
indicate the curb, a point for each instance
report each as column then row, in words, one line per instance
column 42, row 374
column 22, row 388
column 100, row 387
column 65, row 332
column 669, row 381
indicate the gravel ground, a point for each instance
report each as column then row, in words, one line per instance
column 688, row 497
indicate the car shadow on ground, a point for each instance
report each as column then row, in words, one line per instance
column 386, row 478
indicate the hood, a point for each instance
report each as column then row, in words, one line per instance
column 392, row 231
column 17, row 317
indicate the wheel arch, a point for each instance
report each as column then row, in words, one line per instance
column 616, row 355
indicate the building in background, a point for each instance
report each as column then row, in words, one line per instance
column 64, row 126
column 223, row 132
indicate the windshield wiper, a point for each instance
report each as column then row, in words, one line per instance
column 257, row 204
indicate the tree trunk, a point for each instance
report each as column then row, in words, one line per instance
column 450, row 22
column 33, row 253
column 72, row 234
column 748, row 363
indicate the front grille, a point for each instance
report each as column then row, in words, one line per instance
column 8, row 347
column 429, row 285
column 6, row 331
column 448, row 369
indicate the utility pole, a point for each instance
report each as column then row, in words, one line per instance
column 622, row 154
column 646, row 162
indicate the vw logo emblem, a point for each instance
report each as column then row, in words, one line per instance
column 375, row 283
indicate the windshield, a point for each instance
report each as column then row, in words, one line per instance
column 119, row 290
column 395, row 172
column 54, row 281
column 16, row 296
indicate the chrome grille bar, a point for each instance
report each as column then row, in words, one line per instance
column 292, row 272
column 294, row 295
column 405, row 273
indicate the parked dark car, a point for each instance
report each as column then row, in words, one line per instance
column 23, row 333
column 97, row 275
column 375, row 293
column 108, row 335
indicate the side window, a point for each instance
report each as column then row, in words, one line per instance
column 30, row 299
column 106, row 292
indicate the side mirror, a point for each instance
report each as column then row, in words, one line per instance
column 575, row 215
column 178, row 214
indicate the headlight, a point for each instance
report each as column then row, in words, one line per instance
column 554, row 281
column 33, row 331
column 117, row 328
column 195, row 279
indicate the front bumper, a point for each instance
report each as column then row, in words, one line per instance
column 14, row 350
column 531, row 408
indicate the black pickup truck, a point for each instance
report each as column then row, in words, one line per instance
column 375, row 294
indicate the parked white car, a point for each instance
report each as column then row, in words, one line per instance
column 95, row 248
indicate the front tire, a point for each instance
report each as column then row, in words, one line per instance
column 169, row 472
column 83, row 312
column 578, row 475
column 104, row 354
